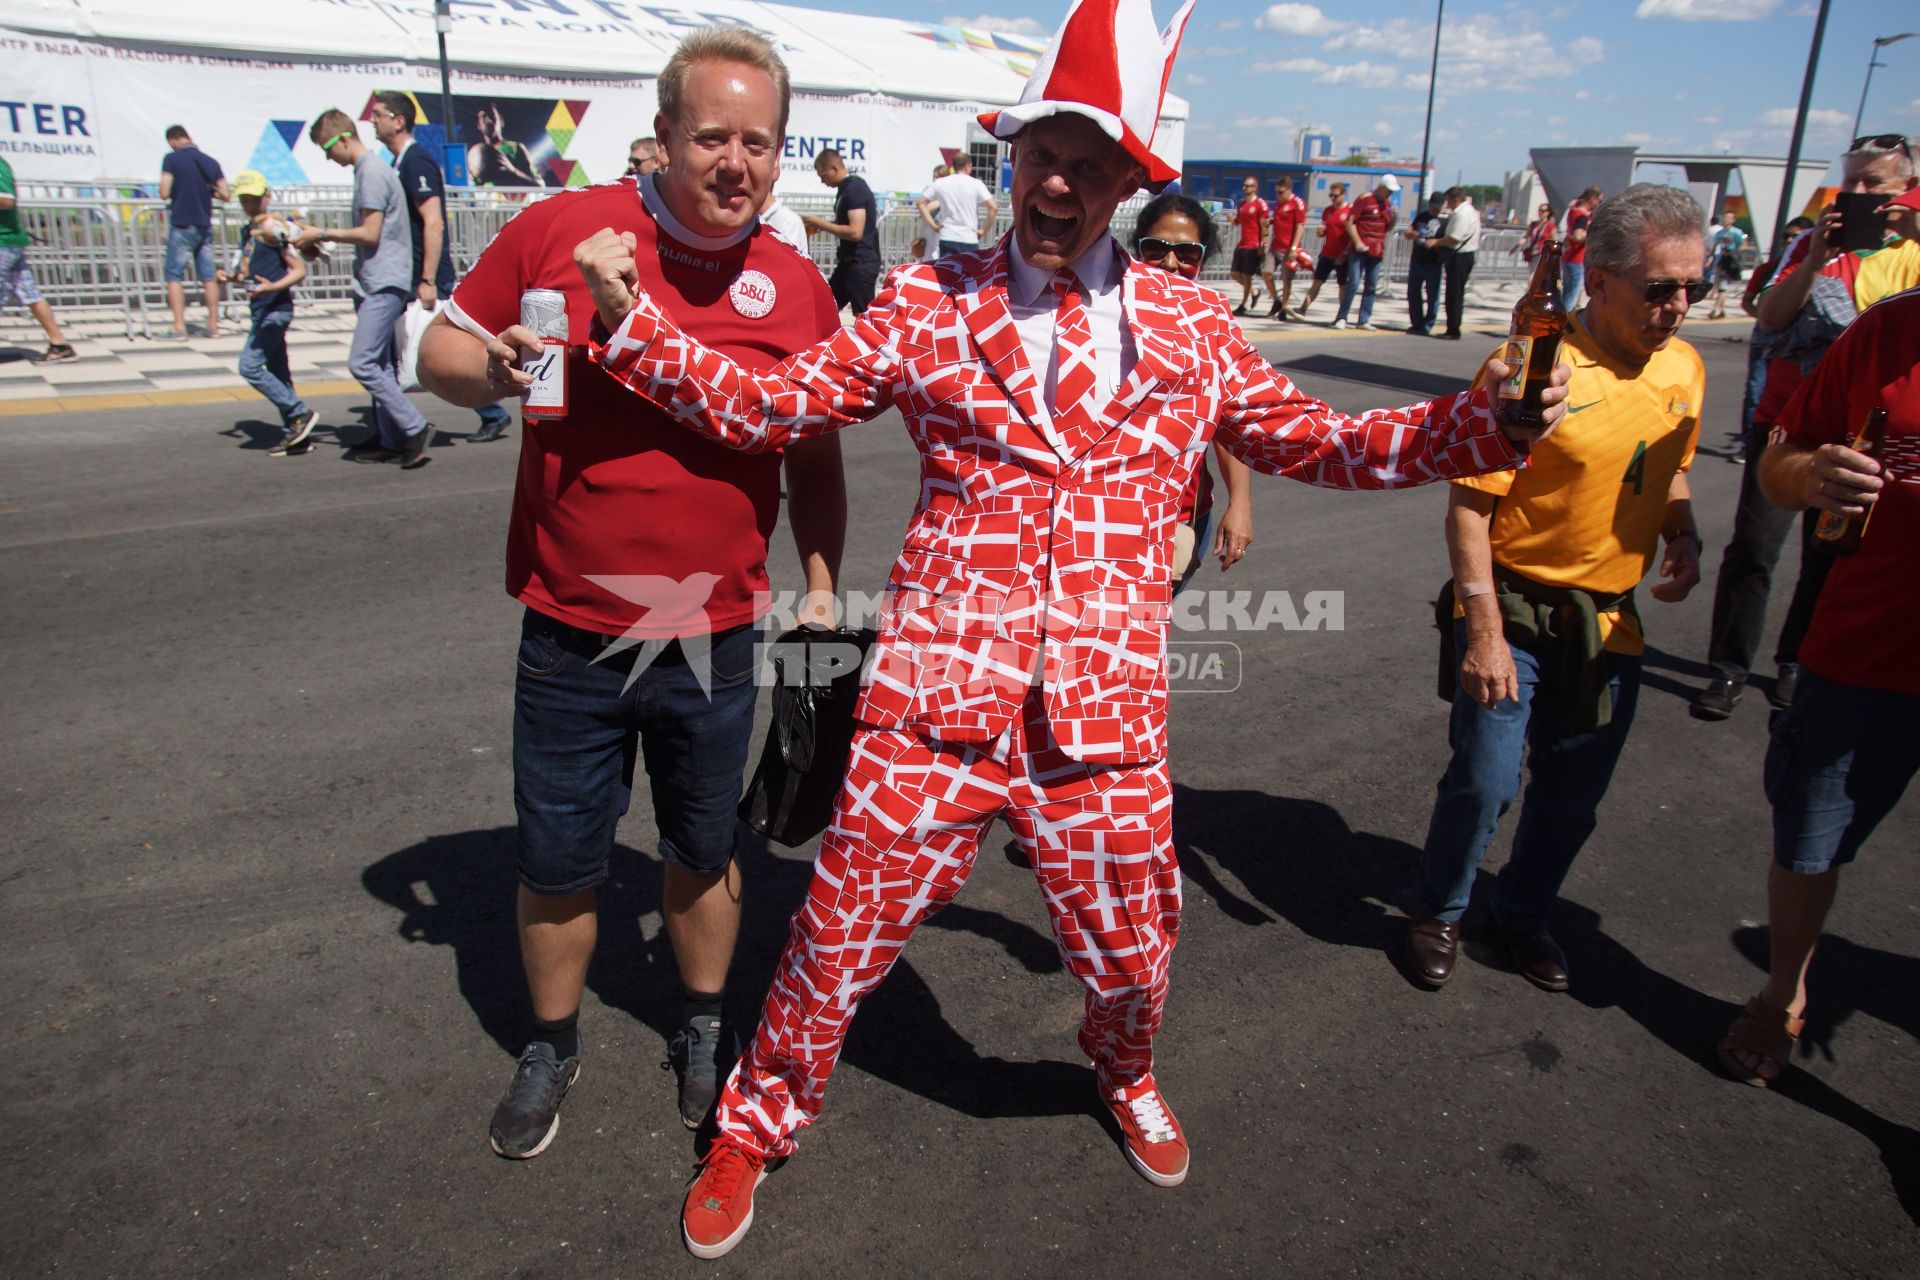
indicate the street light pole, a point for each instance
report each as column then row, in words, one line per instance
column 442, row 22
column 1426, row 135
column 1799, row 127
column 1873, row 60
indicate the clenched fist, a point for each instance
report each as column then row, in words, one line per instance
column 1553, row 400
column 606, row 263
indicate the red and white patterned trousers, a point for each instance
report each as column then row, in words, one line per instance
column 905, row 831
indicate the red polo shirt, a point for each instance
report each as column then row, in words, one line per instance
column 1334, row 242
column 1373, row 218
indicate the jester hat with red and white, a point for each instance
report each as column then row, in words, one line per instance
column 1109, row 64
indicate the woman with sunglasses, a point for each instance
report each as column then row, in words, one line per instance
column 1543, row 226
column 1175, row 234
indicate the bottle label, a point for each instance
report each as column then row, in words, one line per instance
column 1831, row 527
column 1518, row 352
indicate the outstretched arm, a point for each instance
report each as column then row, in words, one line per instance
column 844, row 380
column 1274, row 427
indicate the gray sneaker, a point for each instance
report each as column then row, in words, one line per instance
column 299, row 429
column 694, row 1055
column 528, row 1116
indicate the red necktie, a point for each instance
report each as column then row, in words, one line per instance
column 1073, row 399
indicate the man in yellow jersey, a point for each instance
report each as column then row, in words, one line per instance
column 1545, row 562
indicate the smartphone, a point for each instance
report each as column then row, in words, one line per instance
column 1863, row 220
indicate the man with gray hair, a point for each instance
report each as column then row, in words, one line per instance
column 1545, row 639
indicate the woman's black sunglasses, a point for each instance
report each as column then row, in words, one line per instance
column 1190, row 252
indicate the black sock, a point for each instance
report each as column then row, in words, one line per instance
column 699, row 1004
column 563, row 1035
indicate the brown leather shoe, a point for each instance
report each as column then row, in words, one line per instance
column 1536, row 955
column 1433, row 944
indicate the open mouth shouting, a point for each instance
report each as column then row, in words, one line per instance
column 1051, row 227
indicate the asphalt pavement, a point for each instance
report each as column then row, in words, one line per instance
column 261, row 989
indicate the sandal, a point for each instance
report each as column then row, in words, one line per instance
column 1765, row 1032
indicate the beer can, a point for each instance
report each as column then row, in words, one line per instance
column 543, row 312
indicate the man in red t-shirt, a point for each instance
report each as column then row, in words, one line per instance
column 1367, row 230
column 639, row 551
column 1845, row 750
column 1289, row 227
column 1335, row 244
column 1573, row 252
column 1251, row 217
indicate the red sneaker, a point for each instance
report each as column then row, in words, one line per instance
column 719, row 1206
column 1154, row 1142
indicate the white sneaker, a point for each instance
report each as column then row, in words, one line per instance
column 1339, row 324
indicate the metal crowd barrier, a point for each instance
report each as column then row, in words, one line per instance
column 104, row 244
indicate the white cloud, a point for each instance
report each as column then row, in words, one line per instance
column 1194, row 79
column 1706, row 10
column 1297, row 20
column 1263, row 122
column 1556, row 121
column 1293, row 66
column 1227, row 24
column 1479, row 51
column 1583, row 95
column 1375, row 73
column 1819, row 118
column 987, row 22
column 1636, row 139
column 1382, row 128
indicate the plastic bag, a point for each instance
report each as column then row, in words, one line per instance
column 817, row 677
column 413, row 324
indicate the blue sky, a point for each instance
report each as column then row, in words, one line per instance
column 1677, row 75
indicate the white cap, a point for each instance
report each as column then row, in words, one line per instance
column 1388, row 181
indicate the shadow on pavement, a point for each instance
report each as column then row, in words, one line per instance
column 458, row 891
column 1372, row 374
column 1299, row 861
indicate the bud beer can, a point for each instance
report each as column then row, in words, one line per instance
column 543, row 312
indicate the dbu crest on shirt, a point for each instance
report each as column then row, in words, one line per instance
column 752, row 294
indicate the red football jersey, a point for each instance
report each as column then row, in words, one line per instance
column 1250, row 215
column 616, row 489
column 1288, row 214
column 1867, row 628
column 1334, row 241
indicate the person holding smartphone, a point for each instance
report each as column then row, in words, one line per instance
column 1819, row 288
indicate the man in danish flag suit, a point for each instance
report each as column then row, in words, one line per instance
column 1061, row 395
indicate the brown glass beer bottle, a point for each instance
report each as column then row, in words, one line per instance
column 1533, row 344
column 1839, row 535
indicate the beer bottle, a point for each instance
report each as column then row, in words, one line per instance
column 1533, row 344
column 1839, row 535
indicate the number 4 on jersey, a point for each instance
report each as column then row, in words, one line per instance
column 1637, row 469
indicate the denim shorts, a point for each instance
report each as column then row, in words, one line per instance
column 189, row 242
column 1839, row 759
column 17, row 285
column 579, row 727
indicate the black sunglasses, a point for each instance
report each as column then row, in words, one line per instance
column 1881, row 142
column 1660, row 292
column 1190, row 252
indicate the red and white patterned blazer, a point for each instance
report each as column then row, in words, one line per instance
column 1021, row 533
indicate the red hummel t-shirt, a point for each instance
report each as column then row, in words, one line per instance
column 1287, row 217
column 1373, row 219
column 1576, row 250
column 1250, row 215
column 1334, row 241
column 1866, row 628
column 617, row 489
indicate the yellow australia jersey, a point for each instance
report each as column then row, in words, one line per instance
column 1587, row 510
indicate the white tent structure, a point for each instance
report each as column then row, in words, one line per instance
column 567, row 83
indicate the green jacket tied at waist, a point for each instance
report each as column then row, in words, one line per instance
column 1562, row 625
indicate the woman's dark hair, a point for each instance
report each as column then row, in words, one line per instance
column 1174, row 202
